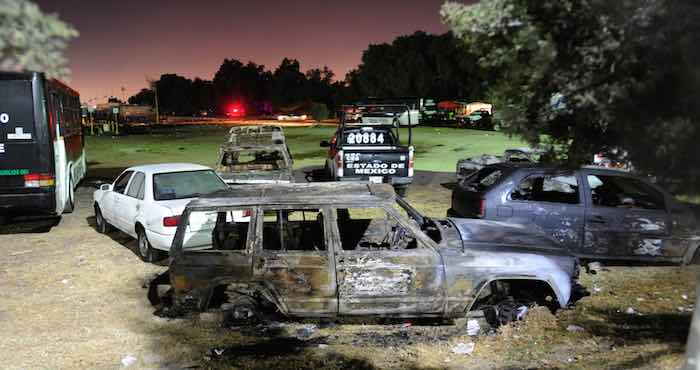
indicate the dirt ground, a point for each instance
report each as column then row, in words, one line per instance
column 72, row 298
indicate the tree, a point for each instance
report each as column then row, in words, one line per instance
column 143, row 97
column 587, row 73
column 175, row 95
column 289, row 83
column 32, row 40
column 245, row 84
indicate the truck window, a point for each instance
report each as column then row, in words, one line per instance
column 548, row 188
column 372, row 229
column 624, row 192
column 293, row 230
column 231, row 230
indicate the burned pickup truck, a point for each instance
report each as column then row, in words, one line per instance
column 254, row 155
column 349, row 249
column 370, row 149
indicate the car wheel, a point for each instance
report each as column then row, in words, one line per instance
column 70, row 202
column 504, row 312
column 102, row 226
column 241, row 310
column 145, row 250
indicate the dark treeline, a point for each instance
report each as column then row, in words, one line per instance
column 417, row 65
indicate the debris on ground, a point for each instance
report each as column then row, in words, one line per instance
column 594, row 268
column 463, row 348
column 522, row 312
column 306, row 332
column 473, row 327
column 574, row 328
column 597, row 289
column 640, row 299
column 322, row 346
column 64, row 281
column 684, row 297
column 19, row 253
column 630, row 311
column 129, row 361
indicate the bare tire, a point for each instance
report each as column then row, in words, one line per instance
column 504, row 312
column 145, row 250
column 102, row 226
column 70, row 202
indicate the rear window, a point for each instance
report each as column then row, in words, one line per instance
column 16, row 111
column 182, row 185
column 483, row 180
column 253, row 160
column 369, row 136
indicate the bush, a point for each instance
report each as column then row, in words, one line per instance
column 319, row 112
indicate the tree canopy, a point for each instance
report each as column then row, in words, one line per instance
column 592, row 74
column 33, row 40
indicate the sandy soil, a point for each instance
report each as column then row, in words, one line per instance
column 72, row 298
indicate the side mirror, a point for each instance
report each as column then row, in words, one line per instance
column 106, row 187
column 325, row 144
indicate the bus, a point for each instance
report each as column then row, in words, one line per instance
column 42, row 149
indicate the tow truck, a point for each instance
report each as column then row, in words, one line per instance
column 370, row 149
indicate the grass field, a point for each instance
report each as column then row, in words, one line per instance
column 437, row 149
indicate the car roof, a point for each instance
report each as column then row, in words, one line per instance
column 168, row 167
column 527, row 166
column 301, row 194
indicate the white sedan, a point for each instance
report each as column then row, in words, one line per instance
column 146, row 202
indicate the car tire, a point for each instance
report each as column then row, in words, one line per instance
column 144, row 249
column 102, row 226
column 70, row 201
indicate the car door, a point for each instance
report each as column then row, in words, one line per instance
column 384, row 265
column 292, row 256
column 626, row 218
column 132, row 202
column 110, row 202
column 550, row 200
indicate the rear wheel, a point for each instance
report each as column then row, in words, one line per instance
column 506, row 311
column 145, row 250
column 241, row 310
column 102, row 226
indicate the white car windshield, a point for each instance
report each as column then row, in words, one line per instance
column 182, row 185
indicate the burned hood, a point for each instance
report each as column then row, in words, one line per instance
column 256, row 177
column 526, row 238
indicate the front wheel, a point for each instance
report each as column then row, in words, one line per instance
column 146, row 252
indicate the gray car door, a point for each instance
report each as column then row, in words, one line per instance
column 551, row 200
column 627, row 218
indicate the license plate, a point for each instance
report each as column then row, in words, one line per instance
column 376, row 179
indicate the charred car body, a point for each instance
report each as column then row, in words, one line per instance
column 371, row 149
column 348, row 249
column 596, row 213
column 468, row 166
column 255, row 154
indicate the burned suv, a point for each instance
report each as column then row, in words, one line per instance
column 255, row 154
column 345, row 249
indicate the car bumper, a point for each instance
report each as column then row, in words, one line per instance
column 160, row 241
column 26, row 204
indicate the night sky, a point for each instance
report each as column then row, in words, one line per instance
column 123, row 42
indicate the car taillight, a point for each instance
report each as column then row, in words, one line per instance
column 39, row 180
column 171, row 221
column 482, row 208
column 247, row 213
column 411, row 162
column 339, row 163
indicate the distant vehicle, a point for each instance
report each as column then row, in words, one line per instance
column 255, row 154
column 146, row 202
column 364, row 151
column 235, row 110
column 468, row 166
column 421, row 109
column 596, row 213
column 42, row 155
column 340, row 249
